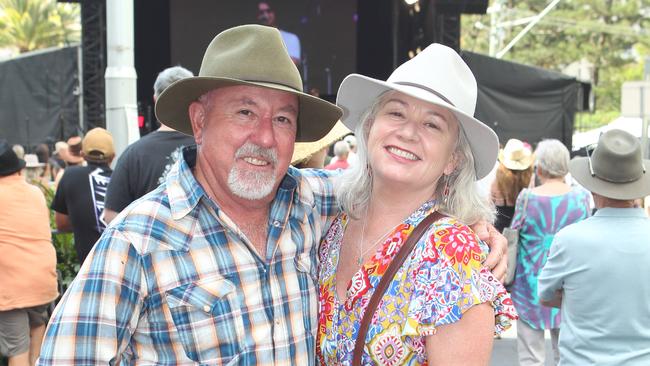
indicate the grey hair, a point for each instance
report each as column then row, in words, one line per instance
column 341, row 148
column 168, row 76
column 552, row 158
column 354, row 187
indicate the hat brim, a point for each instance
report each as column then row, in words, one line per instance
column 316, row 116
column 304, row 150
column 358, row 92
column 579, row 169
column 12, row 169
column 516, row 165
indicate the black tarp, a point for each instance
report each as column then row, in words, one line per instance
column 39, row 97
column 524, row 102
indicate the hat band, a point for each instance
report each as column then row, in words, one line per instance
column 426, row 89
column 607, row 179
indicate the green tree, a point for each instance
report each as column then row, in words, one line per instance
column 28, row 25
column 613, row 36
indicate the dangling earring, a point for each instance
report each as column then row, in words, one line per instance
column 445, row 191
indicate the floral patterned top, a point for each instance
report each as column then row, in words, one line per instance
column 442, row 278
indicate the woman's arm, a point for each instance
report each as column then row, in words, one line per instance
column 467, row 342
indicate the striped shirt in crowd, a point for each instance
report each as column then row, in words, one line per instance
column 173, row 281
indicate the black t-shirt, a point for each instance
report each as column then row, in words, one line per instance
column 80, row 195
column 143, row 165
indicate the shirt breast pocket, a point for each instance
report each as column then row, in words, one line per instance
column 208, row 317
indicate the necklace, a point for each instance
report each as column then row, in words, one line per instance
column 363, row 252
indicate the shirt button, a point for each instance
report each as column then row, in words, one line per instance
column 206, row 308
column 276, row 223
column 277, row 322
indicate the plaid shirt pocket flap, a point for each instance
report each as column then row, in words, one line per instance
column 208, row 317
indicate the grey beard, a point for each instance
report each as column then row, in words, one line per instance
column 252, row 185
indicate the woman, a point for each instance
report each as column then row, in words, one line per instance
column 539, row 214
column 418, row 152
column 512, row 175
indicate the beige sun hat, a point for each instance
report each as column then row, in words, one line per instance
column 516, row 155
column 615, row 169
column 437, row 75
column 31, row 161
column 247, row 55
column 304, row 150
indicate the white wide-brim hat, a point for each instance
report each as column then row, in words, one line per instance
column 437, row 75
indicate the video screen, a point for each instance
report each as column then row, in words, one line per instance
column 320, row 34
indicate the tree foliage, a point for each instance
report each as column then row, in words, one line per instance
column 611, row 35
column 28, row 25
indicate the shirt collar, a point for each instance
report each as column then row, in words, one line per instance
column 621, row 212
column 183, row 189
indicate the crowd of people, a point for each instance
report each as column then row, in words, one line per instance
column 256, row 224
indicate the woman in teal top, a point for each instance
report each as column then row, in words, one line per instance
column 541, row 212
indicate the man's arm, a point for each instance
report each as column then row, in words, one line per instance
column 551, row 278
column 63, row 223
column 109, row 215
column 94, row 321
column 497, row 259
column 555, row 302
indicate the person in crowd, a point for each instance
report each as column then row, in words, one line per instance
column 540, row 212
column 420, row 150
column 218, row 264
column 33, row 169
column 19, row 150
column 71, row 156
column 313, row 154
column 28, row 282
column 513, row 174
column 57, row 162
column 143, row 164
column 47, row 175
column 341, row 151
column 266, row 16
column 352, row 142
column 596, row 274
column 79, row 199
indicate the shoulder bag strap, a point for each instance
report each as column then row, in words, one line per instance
column 386, row 278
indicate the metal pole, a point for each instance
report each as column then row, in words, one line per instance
column 644, row 124
column 121, row 99
column 530, row 25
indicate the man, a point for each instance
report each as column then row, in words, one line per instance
column 142, row 166
column 266, row 16
column 27, row 264
column 341, row 151
column 79, row 198
column 598, row 269
column 218, row 264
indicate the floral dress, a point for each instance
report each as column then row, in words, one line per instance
column 441, row 279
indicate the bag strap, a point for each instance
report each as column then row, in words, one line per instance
column 386, row 278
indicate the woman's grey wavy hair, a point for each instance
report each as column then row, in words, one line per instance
column 354, row 187
column 552, row 158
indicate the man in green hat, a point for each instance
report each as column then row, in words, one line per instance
column 218, row 264
column 598, row 269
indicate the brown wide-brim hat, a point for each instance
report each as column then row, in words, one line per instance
column 304, row 150
column 617, row 170
column 253, row 55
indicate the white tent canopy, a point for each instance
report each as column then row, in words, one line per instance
column 629, row 124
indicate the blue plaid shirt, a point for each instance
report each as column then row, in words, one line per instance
column 172, row 281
